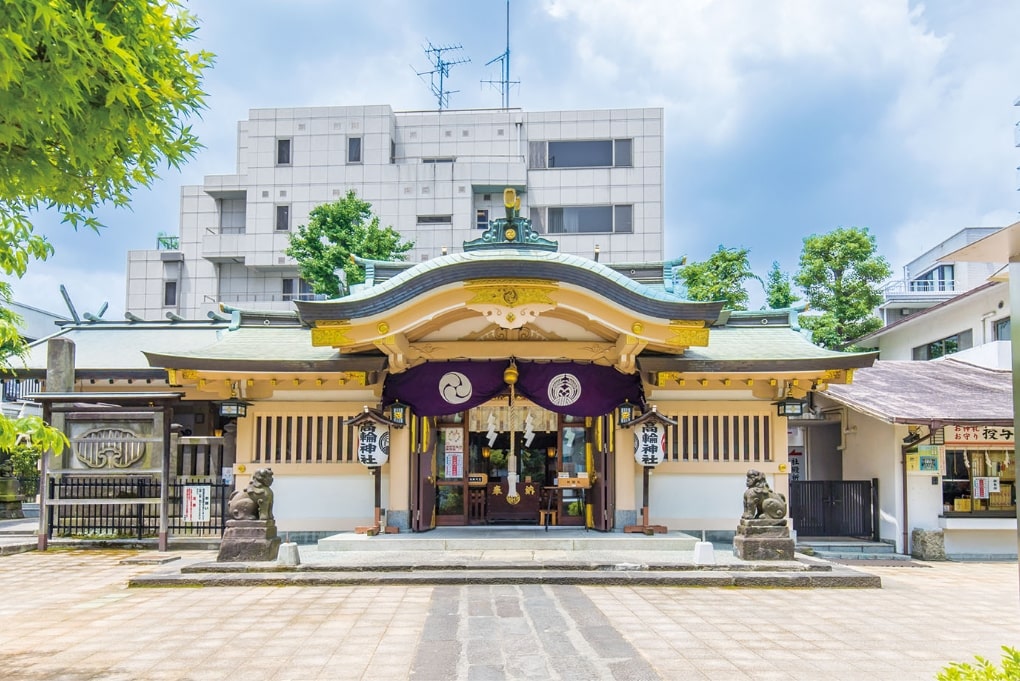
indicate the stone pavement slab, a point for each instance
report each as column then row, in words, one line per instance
column 67, row 614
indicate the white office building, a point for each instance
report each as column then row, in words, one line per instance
column 593, row 180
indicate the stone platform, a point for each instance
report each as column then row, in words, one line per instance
column 510, row 556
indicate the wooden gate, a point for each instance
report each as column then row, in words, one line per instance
column 835, row 508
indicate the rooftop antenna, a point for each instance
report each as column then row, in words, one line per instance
column 504, row 83
column 440, row 70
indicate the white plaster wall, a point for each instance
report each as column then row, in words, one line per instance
column 871, row 451
column 978, row 312
column 978, row 544
column 695, row 502
column 326, row 503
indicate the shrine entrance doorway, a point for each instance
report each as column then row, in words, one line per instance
column 494, row 467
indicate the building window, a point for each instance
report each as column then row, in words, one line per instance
column 282, row 218
column 979, row 482
column 622, row 156
column 1002, row 329
column 438, row 159
column 938, row 279
column 354, row 150
column 590, row 219
column 482, row 218
column 945, row 346
column 623, row 219
column 283, row 152
column 393, row 152
column 169, row 294
column 297, row 289
column 581, row 154
column 435, row 219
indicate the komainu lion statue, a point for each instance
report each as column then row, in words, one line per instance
column 254, row 502
column 759, row 499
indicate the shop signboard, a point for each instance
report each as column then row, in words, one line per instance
column 980, row 436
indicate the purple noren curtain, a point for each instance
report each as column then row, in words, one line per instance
column 570, row 388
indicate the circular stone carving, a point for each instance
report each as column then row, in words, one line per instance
column 564, row 390
column 455, row 387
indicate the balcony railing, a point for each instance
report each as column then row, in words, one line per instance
column 268, row 297
column 906, row 287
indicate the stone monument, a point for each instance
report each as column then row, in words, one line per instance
column 251, row 531
column 763, row 533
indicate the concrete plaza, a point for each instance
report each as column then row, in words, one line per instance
column 67, row 614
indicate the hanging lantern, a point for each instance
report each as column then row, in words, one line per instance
column 790, row 405
column 649, row 437
column 373, row 433
column 626, row 413
column 234, row 408
column 398, row 412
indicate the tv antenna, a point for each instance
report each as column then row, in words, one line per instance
column 504, row 83
column 440, row 71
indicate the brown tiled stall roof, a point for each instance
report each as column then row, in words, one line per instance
column 941, row 391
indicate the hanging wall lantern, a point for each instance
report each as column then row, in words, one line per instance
column 790, row 405
column 626, row 413
column 398, row 413
column 233, row 407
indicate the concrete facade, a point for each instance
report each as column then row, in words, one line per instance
column 590, row 179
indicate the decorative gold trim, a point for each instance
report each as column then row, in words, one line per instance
column 383, row 328
column 331, row 336
column 189, row 374
column 687, row 337
column 509, row 292
column 666, row 376
column 637, row 328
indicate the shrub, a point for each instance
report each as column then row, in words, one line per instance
column 984, row 670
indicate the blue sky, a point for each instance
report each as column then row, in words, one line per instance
column 784, row 118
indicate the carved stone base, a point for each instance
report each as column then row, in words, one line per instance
column 10, row 510
column 249, row 540
column 763, row 539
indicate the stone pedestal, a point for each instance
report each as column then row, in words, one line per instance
column 249, row 540
column 928, row 544
column 763, row 539
column 10, row 499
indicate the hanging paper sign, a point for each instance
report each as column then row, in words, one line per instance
column 197, row 503
column 650, row 444
column 373, row 444
column 453, row 448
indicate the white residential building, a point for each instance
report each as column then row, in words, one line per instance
column 593, row 180
column 948, row 308
column 927, row 281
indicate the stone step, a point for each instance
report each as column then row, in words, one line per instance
column 857, row 555
column 848, row 547
column 524, row 540
column 836, row 578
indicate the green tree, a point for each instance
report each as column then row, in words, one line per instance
column 840, row 273
column 336, row 231
column 778, row 292
column 721, row 277
column 94, row 99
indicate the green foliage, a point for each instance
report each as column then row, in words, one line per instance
column 574, row 508
column 21, row 462
column 984, row 670
column 840, row 272
column 95, row 97
column 334, row 233
column 721, row 277
column 778, row 292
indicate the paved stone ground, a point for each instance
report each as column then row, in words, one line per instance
column 68, row 615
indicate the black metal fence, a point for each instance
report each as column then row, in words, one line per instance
column 99, row 516
column 835, row 508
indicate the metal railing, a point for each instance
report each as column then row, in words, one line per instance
column 89, row 507
column 907, row 287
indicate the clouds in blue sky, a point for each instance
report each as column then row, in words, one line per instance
column 784, row 118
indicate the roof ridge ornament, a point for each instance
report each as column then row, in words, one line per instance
column 512, row 231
